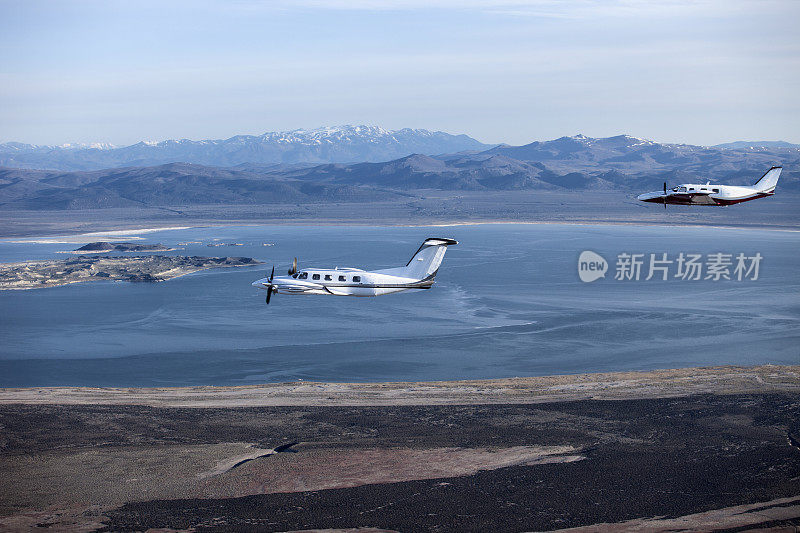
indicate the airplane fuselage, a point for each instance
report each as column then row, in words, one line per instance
column 712, row 195
column 342, row 282
column 418, row 273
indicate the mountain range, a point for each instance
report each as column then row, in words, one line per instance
column 756, row 145
column 340, row 144
column 568, row 163
column 173, row 184
column 577, row 163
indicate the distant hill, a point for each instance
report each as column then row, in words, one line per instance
column 629, row 154
column 424, row 172
column 341, row 144
column 576, row 163
column 175, row 184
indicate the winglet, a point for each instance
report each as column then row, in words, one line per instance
column 434, row 241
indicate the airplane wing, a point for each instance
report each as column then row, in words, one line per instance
column 336, row 292
column 701, row 198
column 688, row 194
column 299, row 289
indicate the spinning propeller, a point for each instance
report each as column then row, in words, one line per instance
column 665, row 195
column 270, row 287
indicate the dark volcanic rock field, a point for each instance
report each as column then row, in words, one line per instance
column 637, row 458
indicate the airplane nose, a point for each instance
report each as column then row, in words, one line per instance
column 649, row 196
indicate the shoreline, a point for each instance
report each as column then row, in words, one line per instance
column 90, row 236
column 79, row 238
column 432, row 208
column 620, row 385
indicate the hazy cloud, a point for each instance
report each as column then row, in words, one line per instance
column 501, row 70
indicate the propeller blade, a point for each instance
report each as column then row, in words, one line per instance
column 665, row 195
column 272, row 275
column 269, row 293
column 293, row 270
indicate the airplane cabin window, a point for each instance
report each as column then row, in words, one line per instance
column 714, row 190
column 328, row 277
column 683, row 189
column 303, row 275
column 356, row 279
column 315, row 276
column 342, row 278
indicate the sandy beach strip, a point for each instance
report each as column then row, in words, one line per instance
column 613, row 385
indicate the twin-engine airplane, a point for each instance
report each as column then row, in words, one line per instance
column 418, row 273
column 694, row 194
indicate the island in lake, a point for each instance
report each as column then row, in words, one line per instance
column 51, row 273
column 103, row 247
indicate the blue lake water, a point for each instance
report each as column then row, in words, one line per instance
column 507, row 302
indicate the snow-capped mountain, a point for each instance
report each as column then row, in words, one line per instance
column 85, row 146
column 45, row 148
column 340, row 144
column 756, row 145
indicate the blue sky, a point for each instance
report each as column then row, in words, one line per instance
column 500, row 70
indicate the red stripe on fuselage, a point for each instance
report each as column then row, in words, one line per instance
column 675, row 200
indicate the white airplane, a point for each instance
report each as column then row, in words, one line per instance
column 418, row 273
column 694, row 194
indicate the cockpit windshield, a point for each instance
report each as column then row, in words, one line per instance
column 302, row 275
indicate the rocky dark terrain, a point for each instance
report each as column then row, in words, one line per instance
column 666, row 453
column 628, row 460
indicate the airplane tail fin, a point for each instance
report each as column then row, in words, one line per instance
column 769, row 180
column 427, row 258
